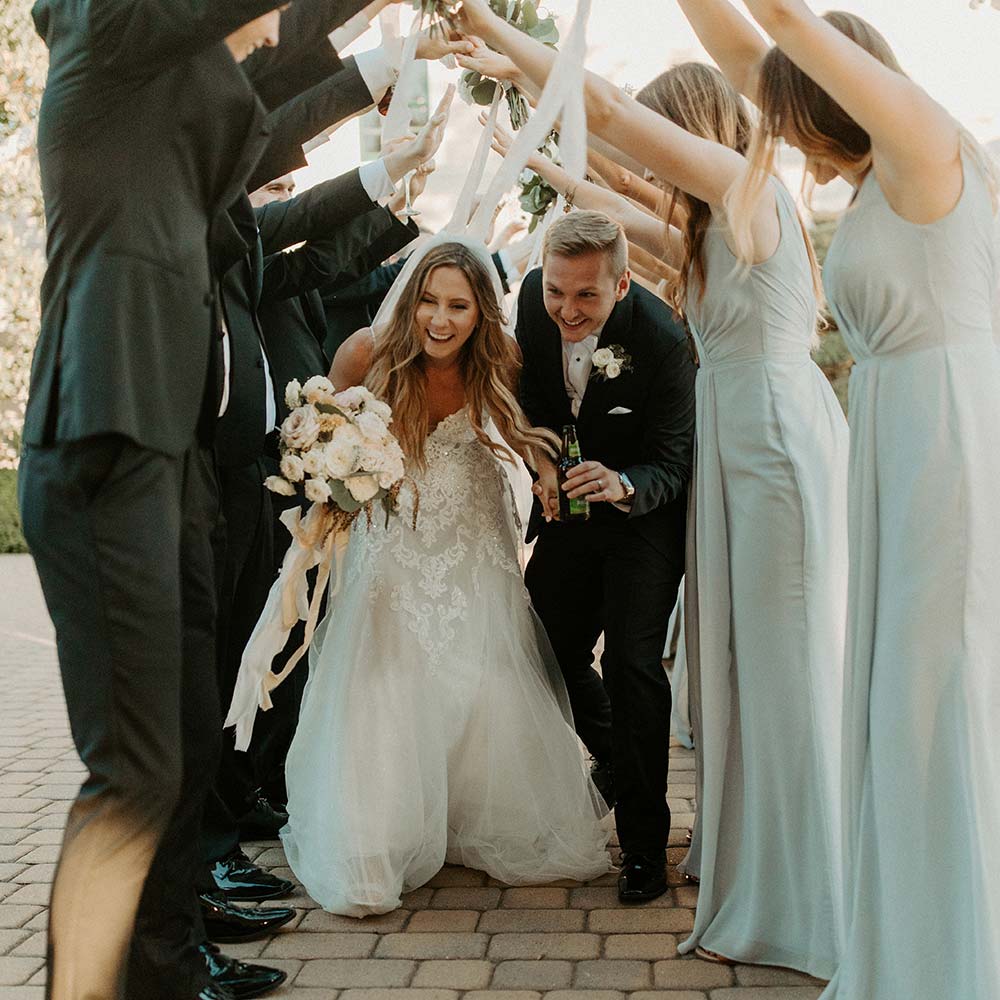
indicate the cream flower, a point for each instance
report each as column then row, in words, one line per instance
column 381, row 410
column 355, row 398
column 317, row 490
column 362, row 488
column 318, row 389
column 329, row 422
column 293, row 394
column 278, row 485
column 371, row 426
column 341, row 453
column 314, row 460
column 603, row 356
column 300, row 428
column 292, row 468
column 613, row 369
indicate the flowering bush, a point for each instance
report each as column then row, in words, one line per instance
column 336, row 447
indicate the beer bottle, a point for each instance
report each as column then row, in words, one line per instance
column 578, row 508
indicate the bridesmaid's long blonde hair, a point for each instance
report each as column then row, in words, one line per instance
column 788, row 99
column 700, row 100
column 490, row 365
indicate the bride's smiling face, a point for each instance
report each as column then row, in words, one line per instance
column 447, row 313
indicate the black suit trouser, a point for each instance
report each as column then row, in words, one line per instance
column 589, row 578
column 244, row 551
column 120, row 536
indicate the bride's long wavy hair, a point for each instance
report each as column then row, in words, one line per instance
column 490, row 365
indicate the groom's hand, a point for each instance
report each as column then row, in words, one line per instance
column 594, row 481
column 546, row 488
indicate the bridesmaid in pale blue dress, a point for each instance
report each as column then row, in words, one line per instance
column 911, row 277
column 771, row 572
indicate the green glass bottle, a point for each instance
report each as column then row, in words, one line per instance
column 577, row 509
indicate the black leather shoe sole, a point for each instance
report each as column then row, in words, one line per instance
column 255, row 893
column 226, row 924
column 263, row 980
column 641, row 890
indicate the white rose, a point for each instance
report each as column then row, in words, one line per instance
column 603, row 356
column 293, row 394
column 318, row 389
column 362, row 488
column 354, row 398
column 278, row 485
column 314, row 460
column 371, row 426
column 317, row 490
column 341, row 453
column 381, row 410
column 292, row 468
column 613, row 369
column 371, row 458
column 391, row 474
column 300, row 428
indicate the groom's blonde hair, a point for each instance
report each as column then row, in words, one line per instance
column 583, row 232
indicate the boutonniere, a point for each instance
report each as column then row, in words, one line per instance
column 610, row 362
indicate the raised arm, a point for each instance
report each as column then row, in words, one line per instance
column 915, row 142
column 624, row 181
column 704, row 169
column 730, row 39
column 641, row 227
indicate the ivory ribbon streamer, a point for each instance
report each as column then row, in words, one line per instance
column 318, row 539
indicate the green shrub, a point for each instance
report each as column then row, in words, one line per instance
column 11, row 539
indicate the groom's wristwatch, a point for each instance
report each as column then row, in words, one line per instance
column 627, row 487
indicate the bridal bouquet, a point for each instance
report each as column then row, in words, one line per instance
column 336, row 447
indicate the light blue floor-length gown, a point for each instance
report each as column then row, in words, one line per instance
column 768, row 607
column 922, row 710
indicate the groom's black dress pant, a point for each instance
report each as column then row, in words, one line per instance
column 588, row 578
column 243, row 551
column 120, row 536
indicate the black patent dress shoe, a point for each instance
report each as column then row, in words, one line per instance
column 262, row 820
column 241, row 979
column 229, row 924
column 239, row 878
column 213, row 991
column 602, row 774
column 643, row 877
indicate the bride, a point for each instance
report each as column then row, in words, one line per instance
column 435, row 725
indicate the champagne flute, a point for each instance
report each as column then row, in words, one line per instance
column 408, row 210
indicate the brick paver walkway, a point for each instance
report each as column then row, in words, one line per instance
column 463, row 933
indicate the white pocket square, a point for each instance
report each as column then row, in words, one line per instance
column 619, row 411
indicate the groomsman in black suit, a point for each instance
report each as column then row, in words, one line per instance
column 148, row 127
column 610, row 358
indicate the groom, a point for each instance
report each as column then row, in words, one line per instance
column 617, row 572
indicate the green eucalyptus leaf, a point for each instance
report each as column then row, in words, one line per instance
column 341, row 496
column 529, row 15
column 482, row 92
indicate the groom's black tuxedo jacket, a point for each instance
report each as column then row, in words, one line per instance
column 653, row 443
column 148, row 127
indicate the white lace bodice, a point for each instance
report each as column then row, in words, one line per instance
column 435, row 574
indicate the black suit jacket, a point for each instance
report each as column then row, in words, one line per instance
column 291, row 310
column 653, row 443
column 147, row 127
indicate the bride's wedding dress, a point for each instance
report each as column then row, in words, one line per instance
column 435, row 724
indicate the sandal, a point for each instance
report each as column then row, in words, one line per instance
column 712, row 956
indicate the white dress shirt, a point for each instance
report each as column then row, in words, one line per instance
column 578, row 363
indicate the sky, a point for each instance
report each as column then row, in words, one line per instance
column 951, row 50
